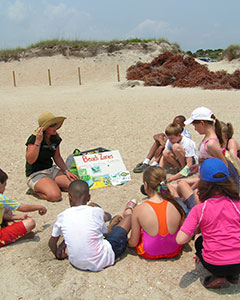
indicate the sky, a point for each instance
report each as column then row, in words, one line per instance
column 205, row 24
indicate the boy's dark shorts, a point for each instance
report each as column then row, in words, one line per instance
column 118, row 239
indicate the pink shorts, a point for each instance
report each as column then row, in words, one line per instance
column 12, row 233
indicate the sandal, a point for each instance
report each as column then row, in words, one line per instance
column 130, row 205
column 214, row 282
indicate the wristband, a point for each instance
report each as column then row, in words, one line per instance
column 38, row 145
column 65, row 172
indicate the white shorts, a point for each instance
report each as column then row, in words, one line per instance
column 36, row 176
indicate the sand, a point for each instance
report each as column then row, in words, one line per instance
column 100, row 112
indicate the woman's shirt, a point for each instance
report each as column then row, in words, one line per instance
column 219, row 220
column 44, row 160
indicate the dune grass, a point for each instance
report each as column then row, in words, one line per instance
column 232, row 52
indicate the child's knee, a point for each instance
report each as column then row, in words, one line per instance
column 29, row 224
column 178, row 148
column 166, row 153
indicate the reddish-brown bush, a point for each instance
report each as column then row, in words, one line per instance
column 181, row 71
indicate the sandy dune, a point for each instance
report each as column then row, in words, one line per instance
column 99, row 113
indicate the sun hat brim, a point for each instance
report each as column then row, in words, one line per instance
column 58, row 120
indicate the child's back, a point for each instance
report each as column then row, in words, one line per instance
column 83, row 228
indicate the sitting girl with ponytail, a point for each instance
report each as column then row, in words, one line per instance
column 229, row 143
column 156, row 222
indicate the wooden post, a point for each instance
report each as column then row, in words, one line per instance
column 49, row 78
column 79, row 76
column 118, row 75
column 14, row 79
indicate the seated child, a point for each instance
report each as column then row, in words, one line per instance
column 179, row 152
column 229, row 143
column 11, row 233
column 155, row 222
column 158, row 146
column 218, row 216
column 83, row 227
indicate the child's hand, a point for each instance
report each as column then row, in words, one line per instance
column 196, row 259
column 61, row 251
column 23, row 216
column 42, row 210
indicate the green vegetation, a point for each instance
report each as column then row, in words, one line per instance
column 213, row 54
column 232, row 52
column 76, row 48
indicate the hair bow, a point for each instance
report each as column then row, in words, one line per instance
column 162, row 186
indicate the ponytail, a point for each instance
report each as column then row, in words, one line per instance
column 218, row 129
column 227, row 129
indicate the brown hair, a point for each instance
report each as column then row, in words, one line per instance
column 217, row 127
column 173, row 129
column 51, row 140
column 3, row 176
column 156, row 175
column 227, row 129
column 208, row 189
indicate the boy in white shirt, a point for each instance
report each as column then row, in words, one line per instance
column 83, row 227
column 180, row 151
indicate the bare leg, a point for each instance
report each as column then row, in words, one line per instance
column 158, row 153
column 179, row 153
column 47, row 189
column 169, row 158
column 126, row 222
column 153, row 150
column 29, row 224
column 185, row 191
column 62, row 181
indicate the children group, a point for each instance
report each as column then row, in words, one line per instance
column 178, row 208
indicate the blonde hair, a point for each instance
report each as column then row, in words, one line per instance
column 173, row 129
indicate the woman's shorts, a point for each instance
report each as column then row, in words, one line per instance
column 12, row 233
column 118, row 239
column 35, row 177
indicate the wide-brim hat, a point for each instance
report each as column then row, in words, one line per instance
column 47, row 119
column 200, row 114
column 212, row 166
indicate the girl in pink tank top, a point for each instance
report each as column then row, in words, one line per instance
column 156, row 222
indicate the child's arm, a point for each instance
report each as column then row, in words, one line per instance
column 58, row 251
column 9, row 216
column 136, row 228
column 182, row 238
column 184, row 172
column 32, row 207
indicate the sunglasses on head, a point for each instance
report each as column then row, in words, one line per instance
column 53, row 125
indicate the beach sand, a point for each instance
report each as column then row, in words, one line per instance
column 100, row 113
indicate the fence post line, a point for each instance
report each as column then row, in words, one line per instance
column 49, row 77
column 79, row 76
column 118, row 75
column 14, row 79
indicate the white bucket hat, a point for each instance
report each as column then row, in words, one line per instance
column 200, row 113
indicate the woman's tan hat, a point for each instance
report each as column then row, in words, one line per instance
column 47, row 119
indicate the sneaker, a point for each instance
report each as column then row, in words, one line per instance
column 140, row 168
column 214, row 282
column 233, row 279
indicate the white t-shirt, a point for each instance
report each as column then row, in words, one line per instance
column 186, row 133
column 188, row 145
column 83, row 228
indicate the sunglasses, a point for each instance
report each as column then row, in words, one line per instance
column 53, row 125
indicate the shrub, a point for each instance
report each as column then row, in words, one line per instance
column 232, row 52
